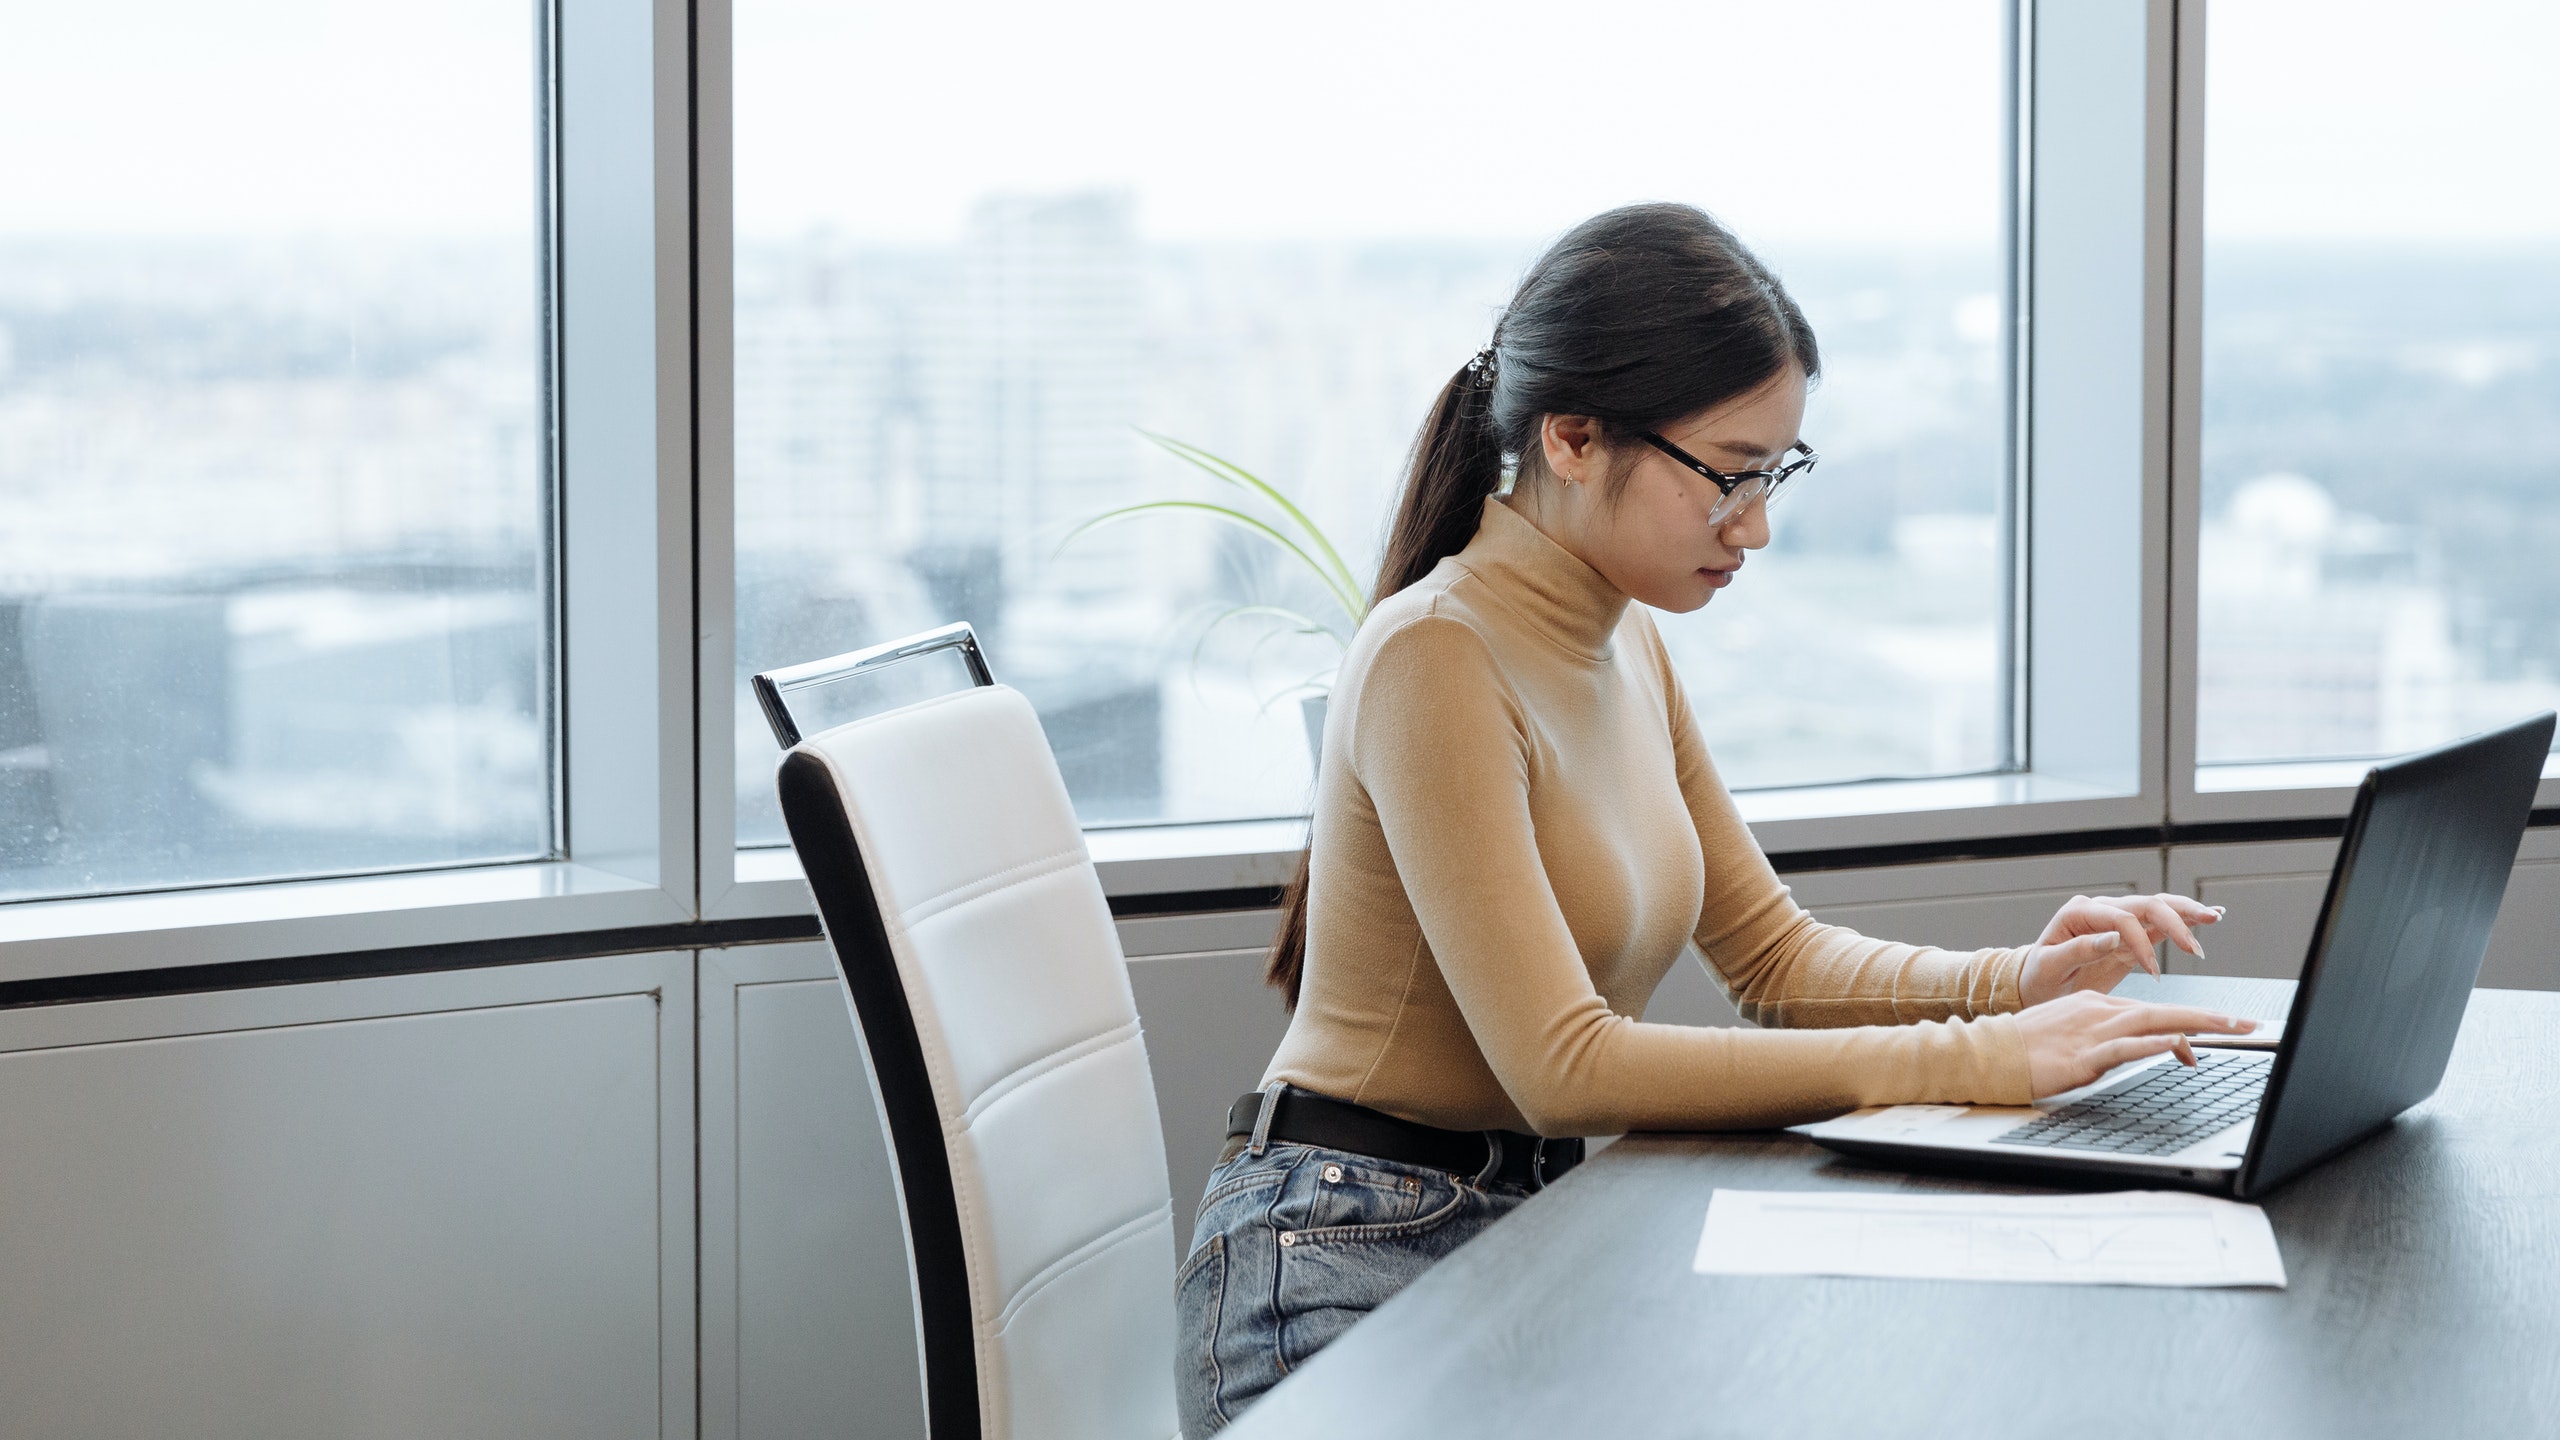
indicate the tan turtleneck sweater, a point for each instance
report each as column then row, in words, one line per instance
column 1517, row 831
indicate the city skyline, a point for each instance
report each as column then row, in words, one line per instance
column 1309, row 363
column 324, row 476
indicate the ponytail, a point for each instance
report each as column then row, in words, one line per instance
column 1456, row 463
column 1637, row 318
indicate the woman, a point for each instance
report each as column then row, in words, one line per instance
column 1517, row 830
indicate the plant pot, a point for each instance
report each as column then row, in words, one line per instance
column 1311, row 708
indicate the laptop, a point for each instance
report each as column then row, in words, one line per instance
column 2268, row 1002
column 2402, row 930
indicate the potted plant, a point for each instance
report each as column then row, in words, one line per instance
column 1276, row 521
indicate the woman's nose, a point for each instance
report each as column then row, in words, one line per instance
column 1749, row 527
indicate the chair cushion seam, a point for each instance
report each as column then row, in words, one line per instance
column 1031, row 1070
column 986, row 885
column 1077, row 1258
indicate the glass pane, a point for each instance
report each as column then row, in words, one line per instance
column 2382, row 376
column 271, row 597
column 966, row 284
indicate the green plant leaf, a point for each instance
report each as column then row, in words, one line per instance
column 1292, row 623
column 1336, row 575
column 1346, row 597
column 1227, row 470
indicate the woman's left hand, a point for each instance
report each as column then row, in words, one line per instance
column 2097, row 940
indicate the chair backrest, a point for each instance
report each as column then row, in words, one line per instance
column 987, row 981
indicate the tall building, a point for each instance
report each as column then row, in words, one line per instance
column 1034, row 387
column 917, row 433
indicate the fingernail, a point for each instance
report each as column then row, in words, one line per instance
column 2110, row 941
column 2220, row 911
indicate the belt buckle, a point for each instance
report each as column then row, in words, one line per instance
column 1270, row 1107
column 1542, row 1164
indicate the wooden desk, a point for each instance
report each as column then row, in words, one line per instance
column 2425, row 1301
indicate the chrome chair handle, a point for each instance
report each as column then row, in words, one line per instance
column 773, row 686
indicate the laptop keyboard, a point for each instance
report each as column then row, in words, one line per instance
column 2167, row 1109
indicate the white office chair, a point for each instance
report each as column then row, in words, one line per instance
column 994, row 1008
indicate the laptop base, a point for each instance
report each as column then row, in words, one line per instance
column 2048, row 1168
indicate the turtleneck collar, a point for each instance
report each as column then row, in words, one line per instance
column 1554, row 591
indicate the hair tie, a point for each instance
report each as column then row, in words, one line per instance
column 1480, row 369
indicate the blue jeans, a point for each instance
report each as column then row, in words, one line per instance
column 1291, row 1247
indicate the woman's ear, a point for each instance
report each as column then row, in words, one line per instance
column 1572, row 449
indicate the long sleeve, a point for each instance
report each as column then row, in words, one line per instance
column 1783, row 967
column 1517, row 833
column 1449, row 767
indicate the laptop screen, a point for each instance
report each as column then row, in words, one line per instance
column 2417, row 886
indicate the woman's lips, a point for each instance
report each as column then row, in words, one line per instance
column 1717, row 578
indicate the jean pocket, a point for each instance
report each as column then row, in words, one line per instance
column 1347, row 1209
column 1332, row 1191
column 1238, row 1195
column 1200, row 1297
column 1331, row 1277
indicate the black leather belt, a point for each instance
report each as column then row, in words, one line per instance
column 1301, row 1117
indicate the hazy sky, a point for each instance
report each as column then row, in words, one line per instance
column 2383, row 118
column 250, row 116
column 1867, row 121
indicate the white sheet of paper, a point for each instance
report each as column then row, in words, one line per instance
column 2130, row 1237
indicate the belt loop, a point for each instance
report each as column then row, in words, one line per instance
column 1262, row 1119
column 1492, row 1159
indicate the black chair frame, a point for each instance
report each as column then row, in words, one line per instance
column 849, row 909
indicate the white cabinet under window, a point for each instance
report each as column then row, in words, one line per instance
column 434, row 1206
column 806, row 1327
column 2274, row 891
column 806, row 1323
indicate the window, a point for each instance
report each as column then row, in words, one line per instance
column 272, row 427
column 2381, row 436
column 368, row 431
column 966, row 283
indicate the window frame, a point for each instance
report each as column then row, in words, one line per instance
column 2076, row 670
column 2274, row 791
column 617, row 193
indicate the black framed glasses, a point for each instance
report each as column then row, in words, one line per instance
column 1740, row 489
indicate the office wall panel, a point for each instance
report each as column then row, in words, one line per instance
column 431, row 1206
column 2524, row 951
column 2274, row 892
column 807, row 1327
column 1970, row 904
column 806, row 1324
column 1211, row 1026
column 1688, row 995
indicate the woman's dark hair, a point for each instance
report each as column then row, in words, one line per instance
column 1637, row 318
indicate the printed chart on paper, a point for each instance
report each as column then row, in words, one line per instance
column 2135, row 1237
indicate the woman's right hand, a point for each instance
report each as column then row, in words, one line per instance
column 2078, row 1037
